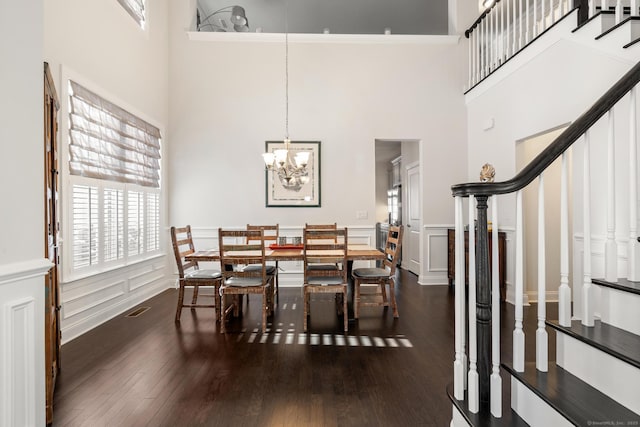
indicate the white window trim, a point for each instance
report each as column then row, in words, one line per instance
column 68, row 274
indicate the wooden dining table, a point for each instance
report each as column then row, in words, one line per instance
column 355, row 252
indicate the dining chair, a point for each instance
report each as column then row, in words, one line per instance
column 327, row 237
column 383, row 276
column 325, row 247
column 236, row 253
column 271, row 234
column 190, row 274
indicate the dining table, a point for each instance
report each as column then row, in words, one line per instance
column 355, row 252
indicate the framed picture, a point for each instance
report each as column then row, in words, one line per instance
column 297, row 188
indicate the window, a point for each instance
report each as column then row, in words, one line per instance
column 136, row 9
column 114, row 167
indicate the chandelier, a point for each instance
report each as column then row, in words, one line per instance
column 290, row 167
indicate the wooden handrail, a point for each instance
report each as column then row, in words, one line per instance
column 558, row 146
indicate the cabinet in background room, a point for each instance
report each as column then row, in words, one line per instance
column 502, row 263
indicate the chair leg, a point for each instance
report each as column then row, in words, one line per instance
column 345, row 313
column 392, row 294
column 276, row 290
column 265, row 307
column 218, row 300
column 223, row 316
column 383, row 290
column 195, row 294
column 306, row 307
column 180, row 301
column 356, row 298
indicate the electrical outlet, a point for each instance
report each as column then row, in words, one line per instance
column 362, row 215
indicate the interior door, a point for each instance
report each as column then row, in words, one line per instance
column 411, row 245
column 51, row 236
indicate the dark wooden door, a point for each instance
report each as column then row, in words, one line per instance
column 51, row 234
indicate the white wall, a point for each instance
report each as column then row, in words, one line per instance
column 552, row 89
column 99, row 45
column 227, row 98
column 22, row 263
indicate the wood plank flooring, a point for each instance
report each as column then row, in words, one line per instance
column 150, row 371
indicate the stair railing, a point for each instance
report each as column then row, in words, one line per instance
column 477, row 370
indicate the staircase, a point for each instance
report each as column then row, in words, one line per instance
column 594, row 377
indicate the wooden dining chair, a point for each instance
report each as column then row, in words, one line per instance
column 320, row 249
column 238, row 280
column 325, row 237
column 190, row 274
column 381, row 277
column 270, row 235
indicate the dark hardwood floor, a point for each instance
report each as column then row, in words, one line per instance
column 149, row 371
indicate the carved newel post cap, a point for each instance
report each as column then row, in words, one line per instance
column 487, row 173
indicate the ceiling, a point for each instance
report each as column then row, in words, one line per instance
column 422, row 17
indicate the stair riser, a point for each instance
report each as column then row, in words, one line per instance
column 613, row 377
column 532, row 409
column 619, row 309
column 457, row 420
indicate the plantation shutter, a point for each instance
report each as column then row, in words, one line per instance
column 109, row 143
column 135, row 8
column 85, row 225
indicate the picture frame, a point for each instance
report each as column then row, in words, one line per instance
column 304, row 194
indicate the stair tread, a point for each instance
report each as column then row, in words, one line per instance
column 484, row 418
column 574, row 399
column 617, row 342
column 628, row 20
column 622, row 285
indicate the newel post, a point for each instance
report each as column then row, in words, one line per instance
column 483, row 300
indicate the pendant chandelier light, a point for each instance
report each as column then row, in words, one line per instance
column 290, row 167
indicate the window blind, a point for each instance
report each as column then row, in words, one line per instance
column 135, row 8
column 85, row 225
column 113, row 224
column 107, row 142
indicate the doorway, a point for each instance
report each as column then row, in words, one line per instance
column 398, row 196
column 526, row 150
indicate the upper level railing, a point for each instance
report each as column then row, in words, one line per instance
column 508, row 26
column 478, row 369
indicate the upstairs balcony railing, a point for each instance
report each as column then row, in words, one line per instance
column 508, row 26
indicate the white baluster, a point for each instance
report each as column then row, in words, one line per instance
column 634, row 8
column 459, row 365
column 587, row 291
column 564, row 292
column 535, row 18
column 515, row 29
column 482, row 49
column 470, row 60
column 476, row 52
column 618, row 11
column 527, row 34
column 603, row 5
column 592, row 8
column 634, row 246
column 611, row 248
column 518, row 333
column 542, row 341
column 543, row 16
column 503, row 50
column 520, row 26
column 496, row 380
column 492, row 38
column 473, row 399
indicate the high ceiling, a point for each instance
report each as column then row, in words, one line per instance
column 338, row 16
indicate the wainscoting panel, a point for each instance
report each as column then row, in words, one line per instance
column 435, row 270
column 22, row 383
column 91, row 301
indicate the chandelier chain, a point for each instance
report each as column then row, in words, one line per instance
column 286, row 71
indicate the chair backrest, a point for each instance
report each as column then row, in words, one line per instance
column 271, row 233
column 333, row 226
column 392, row 248
column 234, row 250
column 319, row 249
column 182, row 243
